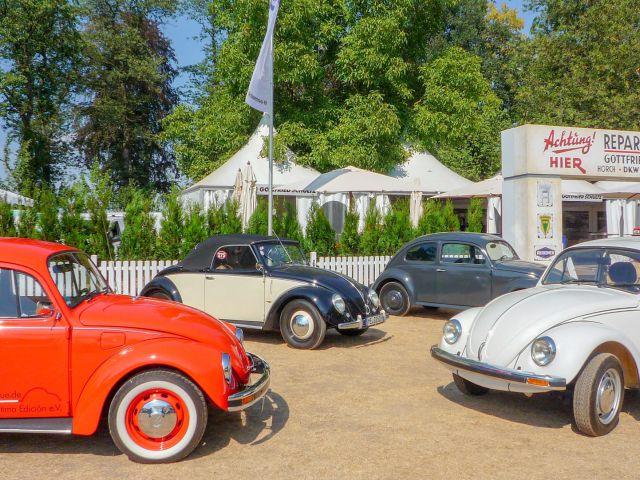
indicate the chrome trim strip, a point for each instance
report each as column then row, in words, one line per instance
column 510, row 375
column 57, row 425
column 252, row 393
column 29, row 430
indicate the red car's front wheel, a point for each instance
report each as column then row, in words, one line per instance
column 157, row 416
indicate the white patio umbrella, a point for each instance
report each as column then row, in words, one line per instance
column 237, row 188
column 249, row 194
column 415, row 204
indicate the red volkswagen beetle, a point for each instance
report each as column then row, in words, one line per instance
column 71, row 350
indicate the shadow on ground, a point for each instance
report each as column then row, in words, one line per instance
column 547, row 410
column 256, row 425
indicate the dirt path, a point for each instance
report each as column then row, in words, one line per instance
column 374, row 407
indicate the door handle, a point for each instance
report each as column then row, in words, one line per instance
column 441, row 270
column 209, row 277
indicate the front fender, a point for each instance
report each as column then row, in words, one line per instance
column 319, row 296
column 466, row 319
column 198, row 361
column 164, row 284
column 575, row 343
column 397, row 275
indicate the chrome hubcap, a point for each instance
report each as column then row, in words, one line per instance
column 394, row 299
column 301, row 325
column 157, row 419
column 608, row 395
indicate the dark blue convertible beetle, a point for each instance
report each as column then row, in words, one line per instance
column 457, row 270
column 265, row 283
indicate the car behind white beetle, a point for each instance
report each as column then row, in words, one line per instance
column 577, row 330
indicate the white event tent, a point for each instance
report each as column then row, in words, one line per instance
column 15, row 199
column 334, row 190
column 428, row 175
column 217, row 187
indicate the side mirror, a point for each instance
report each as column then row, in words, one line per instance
column 44, row 310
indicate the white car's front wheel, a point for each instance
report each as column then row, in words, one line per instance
column 598, row 395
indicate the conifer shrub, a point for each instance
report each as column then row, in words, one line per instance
column 138, row 240
column 350, row 237
column 475, row 215
column 169, row 243
column 372, row 231
column 319, row 237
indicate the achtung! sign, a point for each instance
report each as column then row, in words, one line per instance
column 575, row 152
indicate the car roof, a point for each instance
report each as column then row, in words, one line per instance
column 481, row 238
column 612, row 242
column 28, row 252
column 202, row 254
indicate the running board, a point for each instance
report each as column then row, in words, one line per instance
column 36, row 425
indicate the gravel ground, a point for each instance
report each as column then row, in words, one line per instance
column 373, row 407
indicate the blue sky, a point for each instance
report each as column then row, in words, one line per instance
column 183, row 33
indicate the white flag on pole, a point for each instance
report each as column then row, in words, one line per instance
column 260, row 93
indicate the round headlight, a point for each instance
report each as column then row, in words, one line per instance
column 543, row 351
column 452, row 331
column 373, row 296
column 338, row 302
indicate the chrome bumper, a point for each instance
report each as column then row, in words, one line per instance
column 252, row 393
column 360, row 323
column 509, row 375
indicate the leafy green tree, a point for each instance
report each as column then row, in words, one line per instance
column 74, row 228
column 319, row 237
column 27, row 223
column 372, row 231
column 48, row 221
column 39, row 62
column 431, row 220
column 459, row 118
column 138, row 239
column 127, row 80
column 7, row 224
column 580, row 66
column 450, row 221
column 350, row 237
column 397, row 229
column 169, row 243
column 475, row 215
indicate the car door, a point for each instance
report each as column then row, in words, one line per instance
column 421, row 266
column 234, row 288
column 34, row 352
column 464, row 275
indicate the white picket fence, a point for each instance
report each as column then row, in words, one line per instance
column 129, row 277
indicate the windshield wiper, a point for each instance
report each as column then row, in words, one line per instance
column 576, row 281
column 95, row 293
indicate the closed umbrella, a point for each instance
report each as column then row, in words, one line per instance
column 237, row 188
column 249, row 194
column 415, row 207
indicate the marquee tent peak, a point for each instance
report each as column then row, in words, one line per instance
column 354, row 179
column 432, row 175
column 285, row 172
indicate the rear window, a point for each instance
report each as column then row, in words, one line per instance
column 424, row 252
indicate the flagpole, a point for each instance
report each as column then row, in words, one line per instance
column 270, row 217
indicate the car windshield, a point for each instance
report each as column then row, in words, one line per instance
column 607, row 268
column 501, row 251
column 275, row 254
column 76, row 278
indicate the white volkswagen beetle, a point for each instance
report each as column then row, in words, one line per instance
column 577, row 330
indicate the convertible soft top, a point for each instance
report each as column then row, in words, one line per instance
column 202, row 255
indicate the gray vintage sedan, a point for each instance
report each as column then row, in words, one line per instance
column 456, row 270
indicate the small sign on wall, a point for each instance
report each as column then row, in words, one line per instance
column 545, row 194
column 544, row 253
column 545, row 225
